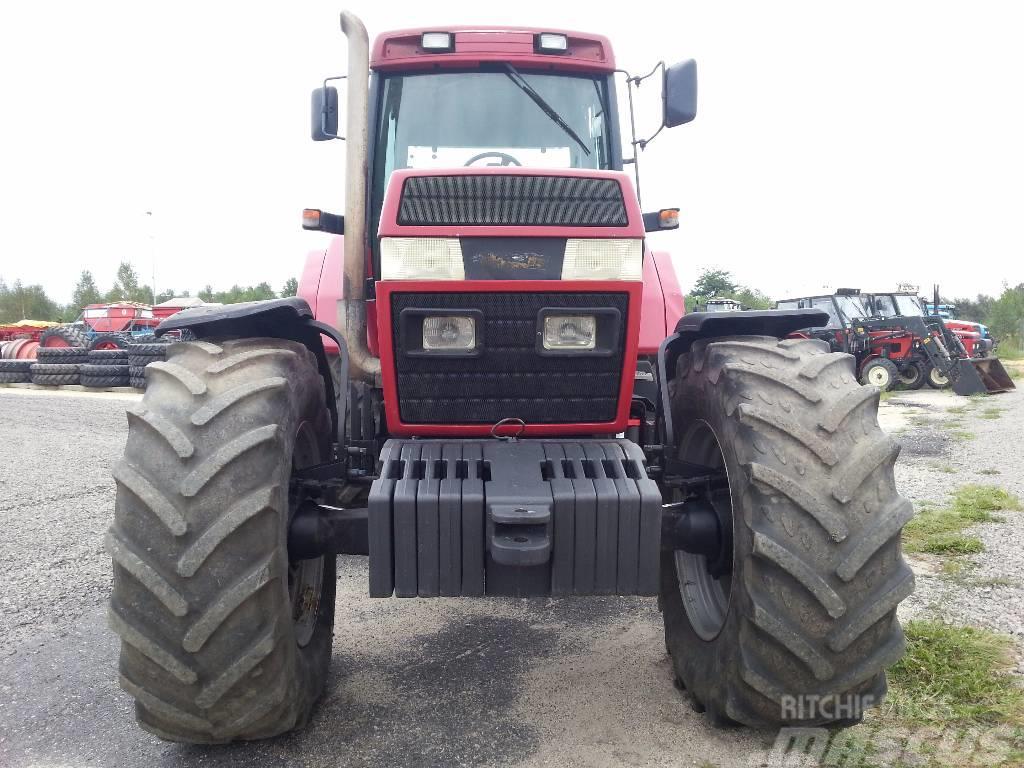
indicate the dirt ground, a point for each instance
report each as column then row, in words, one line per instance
column 566, row 682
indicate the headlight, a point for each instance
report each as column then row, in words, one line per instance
column 603, row 259
column 448, row 332
column 569, row 332
column 421, row 258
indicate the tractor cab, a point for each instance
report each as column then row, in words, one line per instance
column 719, row 304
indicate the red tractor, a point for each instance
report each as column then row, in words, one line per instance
column 514, row 406
column 895, row 343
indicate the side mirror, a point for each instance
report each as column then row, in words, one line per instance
column 679, row 93
column 659, row 221
column 315, row 220
column 324, row 114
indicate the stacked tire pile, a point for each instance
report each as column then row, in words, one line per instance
column 15, row 371
column 105, row 368
column 55, row 366
column 141, row 355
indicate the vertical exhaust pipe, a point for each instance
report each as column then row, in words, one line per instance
column 352, row 306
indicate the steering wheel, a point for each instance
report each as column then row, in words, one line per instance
column 504, row 158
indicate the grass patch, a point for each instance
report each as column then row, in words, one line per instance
column 1010, row 353
column 992, row 413
column 989, row 471
column 957, row 410
column 952, row 684
column 955, row 674
column 949, row 469
column 961, row 435
column 940, row 531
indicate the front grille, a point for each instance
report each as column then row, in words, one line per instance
column 528, row 201
column 509, row 379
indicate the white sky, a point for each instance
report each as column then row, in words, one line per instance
column 837, row 144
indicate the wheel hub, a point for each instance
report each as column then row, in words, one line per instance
column 704, row 572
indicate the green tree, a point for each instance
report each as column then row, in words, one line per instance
column 714, row 282
column 206, row 294
column 26, row 302
column 1006, row 317
column 85, row 292
column 291, row 287
column 127, row 286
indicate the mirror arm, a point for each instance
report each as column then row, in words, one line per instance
column 323, row 110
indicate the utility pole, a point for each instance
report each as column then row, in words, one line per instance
column 152, row 257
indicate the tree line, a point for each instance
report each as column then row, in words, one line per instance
column 30, row 302
column 719, row 284
column 1003, row 314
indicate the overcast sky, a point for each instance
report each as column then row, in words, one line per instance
column 837, row 144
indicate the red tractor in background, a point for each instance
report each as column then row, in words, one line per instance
column 510, row 402
column 895, row 343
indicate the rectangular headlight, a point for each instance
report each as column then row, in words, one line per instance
column 449, row 332
column 569, row 332
column 421, row 258
column 436, row 41
column 603, row 259
column 551, row 42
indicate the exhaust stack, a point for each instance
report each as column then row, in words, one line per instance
column 352, row 306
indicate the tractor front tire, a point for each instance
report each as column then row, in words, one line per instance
column 223, row 637
column 800, row 624
column 936, row 379
column 880, row 372
column 912, row 375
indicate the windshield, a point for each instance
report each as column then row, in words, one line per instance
column 908, row 306
column 483, row 119
column 852, row 306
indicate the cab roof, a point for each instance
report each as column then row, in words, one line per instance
column 402, row 50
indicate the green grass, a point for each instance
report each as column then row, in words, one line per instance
column 957, row 410
column 940, row 531
column 949, row 469
column 952, row 682
column 989, row 471
column 955, row 674
column 1009, row 353
column 961, row 435
column 992, row 413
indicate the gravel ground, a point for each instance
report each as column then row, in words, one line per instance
column 934, row 462
column 570, row 682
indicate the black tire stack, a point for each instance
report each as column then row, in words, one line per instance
column 15, row 371
column 57, row 366
column 141, row 355
column 106, row 368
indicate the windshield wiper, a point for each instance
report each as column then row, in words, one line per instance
column 547, row 109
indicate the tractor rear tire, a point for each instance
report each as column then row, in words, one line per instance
column 64, row 336
column 935, row 379
column 108, row 356
column 55, row 379
column 912, row 376
column 880, row 372
column 109, row 341
column 801, row 627
column 223, row 638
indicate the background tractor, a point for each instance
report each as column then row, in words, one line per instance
column 895, row 343
column 509, row 402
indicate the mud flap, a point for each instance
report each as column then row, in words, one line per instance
column 981, row 375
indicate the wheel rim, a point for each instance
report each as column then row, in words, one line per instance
column 305, row 577
column 910, row 375
column 878, row 376
column 705, row 593
column 938, row 378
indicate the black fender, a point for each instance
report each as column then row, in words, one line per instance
column 289, row 318
column 708, row 325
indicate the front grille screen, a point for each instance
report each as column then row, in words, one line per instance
column 509, row 379
column 503, row 200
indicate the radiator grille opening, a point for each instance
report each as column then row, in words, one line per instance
column 509, row 378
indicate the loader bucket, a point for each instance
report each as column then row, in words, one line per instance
column 979, row 375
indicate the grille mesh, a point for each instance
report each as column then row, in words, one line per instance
column 495, row 200
column 509, row 379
